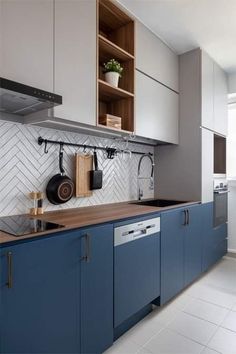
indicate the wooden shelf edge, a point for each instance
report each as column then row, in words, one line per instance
column 116, row 130
column 116, row 90
column 116, row 47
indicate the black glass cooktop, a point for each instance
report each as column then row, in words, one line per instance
column 19, row 225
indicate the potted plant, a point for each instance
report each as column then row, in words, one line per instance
column 113, row 72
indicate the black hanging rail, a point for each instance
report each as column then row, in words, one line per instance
column 111, row 152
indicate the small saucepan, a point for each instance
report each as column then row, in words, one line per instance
column 60, row 188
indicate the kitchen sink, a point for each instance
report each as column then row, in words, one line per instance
column 161, row 203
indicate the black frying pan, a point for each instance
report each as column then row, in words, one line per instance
column 60, row 188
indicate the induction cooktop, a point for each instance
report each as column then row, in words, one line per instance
column 20, row 225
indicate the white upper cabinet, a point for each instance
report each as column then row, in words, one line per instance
column 155, row 59
column 157, row 110
column 26, row 42
column 220, row 101
column 75, row 60
column 207, row 86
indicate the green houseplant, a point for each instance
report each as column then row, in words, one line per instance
column 112, row 70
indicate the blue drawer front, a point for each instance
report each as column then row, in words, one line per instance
column 137, row 276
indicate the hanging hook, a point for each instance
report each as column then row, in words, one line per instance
column 61, row 147
column 45, row 146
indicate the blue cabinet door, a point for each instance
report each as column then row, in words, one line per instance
column 97, row 289
column 193, row 244
column 38, row 310
column 214, row 239
column 172, row 253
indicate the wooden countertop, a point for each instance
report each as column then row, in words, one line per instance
column 82, row 217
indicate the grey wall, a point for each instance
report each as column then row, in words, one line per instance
column 24, row 167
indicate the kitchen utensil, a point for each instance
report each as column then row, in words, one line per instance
column 96, row 174
column 84, row 164
column 60, row 188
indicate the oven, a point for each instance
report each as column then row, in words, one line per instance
column 220, row 202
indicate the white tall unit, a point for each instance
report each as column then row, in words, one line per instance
column 185, row 172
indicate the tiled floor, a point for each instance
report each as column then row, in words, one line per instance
column 202, row 319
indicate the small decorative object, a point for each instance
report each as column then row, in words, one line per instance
column 40, row 197
column 110, row 121
column 37, row 198
column 113, row 72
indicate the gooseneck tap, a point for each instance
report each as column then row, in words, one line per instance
column 140, row 191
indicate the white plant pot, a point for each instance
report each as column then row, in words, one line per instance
column 112, row 78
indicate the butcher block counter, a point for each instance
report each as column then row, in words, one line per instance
column 87, row 216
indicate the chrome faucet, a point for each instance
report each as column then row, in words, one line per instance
column 151, row 186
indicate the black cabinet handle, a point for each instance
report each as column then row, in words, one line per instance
column 87, row 256
column 9, row 270
column 188, row 217
column 185, row 217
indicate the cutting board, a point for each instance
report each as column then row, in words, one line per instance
column 84, row 164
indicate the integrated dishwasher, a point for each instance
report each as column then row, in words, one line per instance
column 136, row 266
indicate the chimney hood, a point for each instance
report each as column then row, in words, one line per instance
column 20, row 99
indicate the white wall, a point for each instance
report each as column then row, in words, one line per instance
column 232, row 83
column 231, row 173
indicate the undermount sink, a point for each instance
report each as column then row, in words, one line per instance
column 161, row 203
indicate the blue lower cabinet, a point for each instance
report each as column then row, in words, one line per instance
column 172, row 253
column 181, row 249
column 39, row 295
column 193, row 244
column 214, row 239
column 57, row 293
column 97, row 289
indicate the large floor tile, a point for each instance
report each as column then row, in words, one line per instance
column 181, row 301
column 230, row 321
column 164, row 314
column 224, row 341
column 169, row 342
column 144, row 331
column 207, row 311
column 213, row 295
column 194, row 328
column 209, row 351
column 123, row 346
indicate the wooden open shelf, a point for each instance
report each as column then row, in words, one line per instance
column 108, row 50
column 109, row 93
column 115, row 40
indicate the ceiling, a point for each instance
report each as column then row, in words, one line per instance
column 187, row 24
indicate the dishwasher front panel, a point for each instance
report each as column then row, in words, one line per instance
column 136, row 275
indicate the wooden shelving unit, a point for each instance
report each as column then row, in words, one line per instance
column 115, row 40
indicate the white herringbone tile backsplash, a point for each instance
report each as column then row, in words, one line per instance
column 24, row 168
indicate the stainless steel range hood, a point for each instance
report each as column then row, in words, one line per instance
column 20, row 99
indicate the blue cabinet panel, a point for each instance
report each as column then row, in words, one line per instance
column 97, row 289
column 214, row 239
column 136, row 275
column 38, row 313
column 172, row 253
column 193, row 244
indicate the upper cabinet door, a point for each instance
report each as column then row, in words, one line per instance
column 157, row 110
column 26, row 37
column 207, row 75
column 75, row 60
column 220, row 101
column 155, row 59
